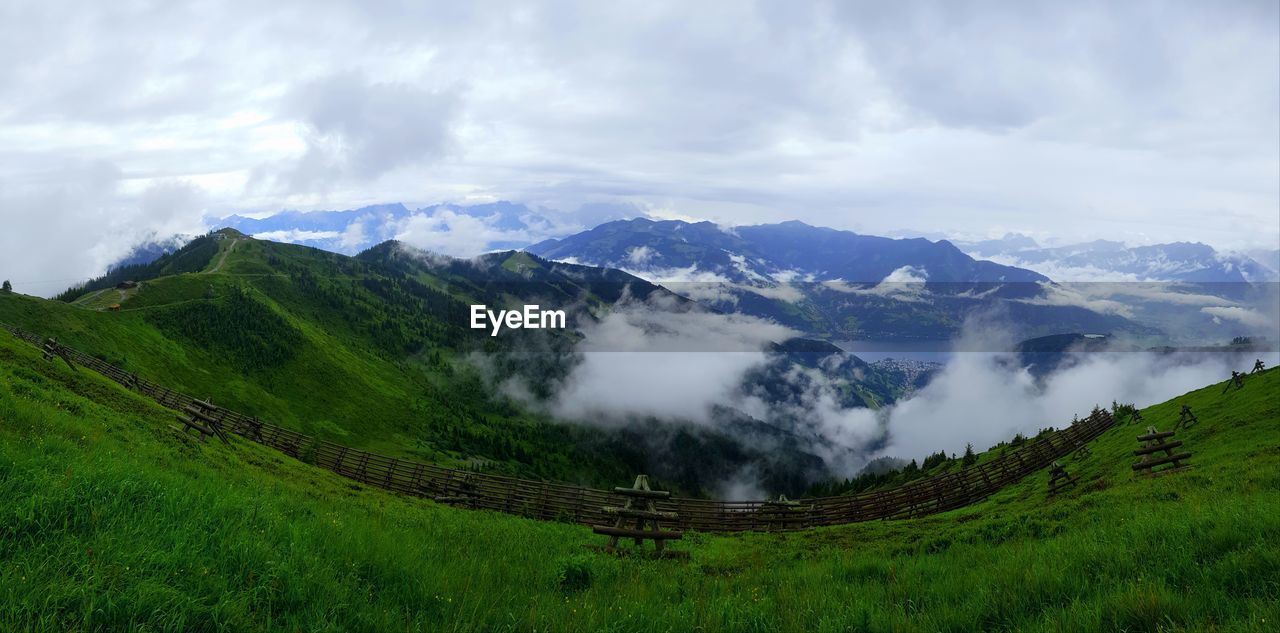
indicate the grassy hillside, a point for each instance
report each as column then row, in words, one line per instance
column 362, row 351
column 375, row 352
column 111, row 521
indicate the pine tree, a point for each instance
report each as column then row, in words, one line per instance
column 7, row 287
column 969, row 458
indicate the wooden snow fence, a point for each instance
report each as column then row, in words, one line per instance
column 1154, row 442
column 1059, row 479
column 639, row 519
column 202, row 416
column 581, row 505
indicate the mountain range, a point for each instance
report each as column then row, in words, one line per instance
column 825, row 283
column 380, row 340
column 469, row 229
column 452, row 229
column 1106, row 260
column 375, row 349
column 770, row 254
column 829, row 284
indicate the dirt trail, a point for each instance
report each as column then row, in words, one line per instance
column 223, row 259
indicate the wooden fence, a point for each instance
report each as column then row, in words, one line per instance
column 563, row 502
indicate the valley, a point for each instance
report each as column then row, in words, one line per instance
column 376, row 352
column 379, row 351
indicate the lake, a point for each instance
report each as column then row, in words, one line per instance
column 937, row 351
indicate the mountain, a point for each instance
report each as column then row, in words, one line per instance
column 462, row 230
column 1044, row 355
column 378, row 351
column 348, row 231
column 829, row 284
column 877, row 384
column 150, row 250
column 192, row 256
column 772, row 253
column 1011, row 242
column 1106, row 260
column 1268, row 258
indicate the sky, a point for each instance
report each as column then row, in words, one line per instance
column 1140, row 121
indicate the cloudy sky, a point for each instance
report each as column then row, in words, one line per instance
column 1143, row 121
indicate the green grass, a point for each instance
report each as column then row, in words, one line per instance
column 111, row 521
column 105, row 298
column 314, row 341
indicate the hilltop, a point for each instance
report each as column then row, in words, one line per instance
column 362, row 350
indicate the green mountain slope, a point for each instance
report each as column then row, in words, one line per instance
column 109, row 520
column 375, row 351
column 363, row 351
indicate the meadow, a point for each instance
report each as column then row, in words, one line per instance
column 111, row 520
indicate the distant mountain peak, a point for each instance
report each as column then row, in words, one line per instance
column 461, row 230
column 768, row 254
column 1110, row 260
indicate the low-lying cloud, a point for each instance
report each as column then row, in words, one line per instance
column 982, row 398
column 636, row 364
column 1251, row 318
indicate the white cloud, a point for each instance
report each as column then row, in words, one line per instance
column 53, row 237
column 353, row 237
column 780, row 292
column 1070, row 295
column 906, row 283
column 639, row 255
column 452, row 233
column 1158, row 292
column 1251, row 318
column 1082, row 119
column 637, row 361
column 295, row 235
column 973, row 380
column 907, row 275
column 1065, row 274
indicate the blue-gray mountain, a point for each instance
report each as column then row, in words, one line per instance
column 829, row 284
column 460, row 230
column 1115, row 261
column 826, row 283
column 151, row 249
column 466, row 230
column 790, row 251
